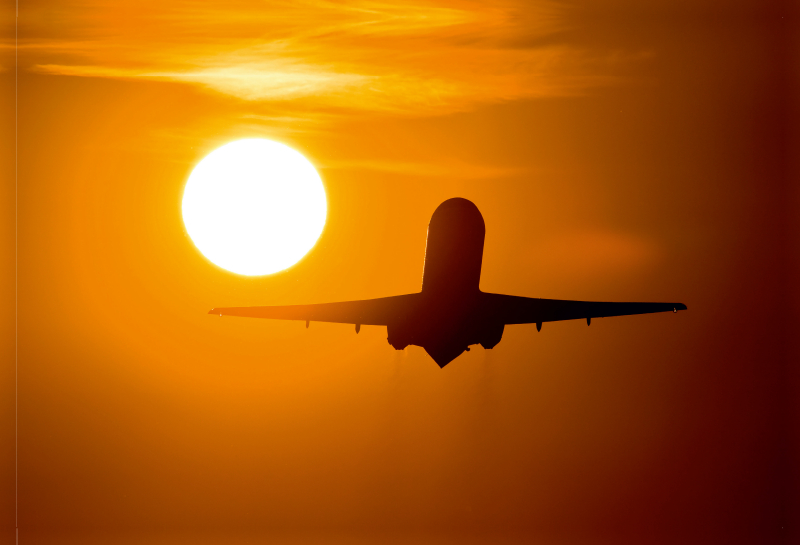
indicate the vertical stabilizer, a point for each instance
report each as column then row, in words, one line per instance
column 454, row 251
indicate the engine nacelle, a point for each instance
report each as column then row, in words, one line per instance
column 491, row 335
column 398, row 336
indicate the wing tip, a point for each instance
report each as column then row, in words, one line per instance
column 680, row 306
column 214, row 311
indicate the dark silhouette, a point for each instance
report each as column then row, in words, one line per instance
column 451, row 312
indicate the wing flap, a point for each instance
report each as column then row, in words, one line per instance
column 510, row 309
column 366, row 312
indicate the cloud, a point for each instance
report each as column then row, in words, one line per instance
column 452, row 169
column 275, row 80
column 596, row 252
column 419, row 59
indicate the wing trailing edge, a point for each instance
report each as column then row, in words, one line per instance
column 510, row 309
column 380, row 311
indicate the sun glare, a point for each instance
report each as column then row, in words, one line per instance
column 254, row 206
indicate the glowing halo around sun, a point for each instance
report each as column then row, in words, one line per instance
column 254, row 206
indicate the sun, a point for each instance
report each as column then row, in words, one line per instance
column 254, row 206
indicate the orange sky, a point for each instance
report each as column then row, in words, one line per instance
column 615, row 152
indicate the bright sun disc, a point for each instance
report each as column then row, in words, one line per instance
column 254, row 206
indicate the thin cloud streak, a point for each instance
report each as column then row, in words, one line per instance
column 451, row 169
column 278, row 80
column 596, row 252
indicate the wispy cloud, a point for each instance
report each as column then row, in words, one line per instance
column 451, row 169
column 423, row 58
column 272, row 80
column 596, row 252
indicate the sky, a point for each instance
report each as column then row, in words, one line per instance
column 617, row 152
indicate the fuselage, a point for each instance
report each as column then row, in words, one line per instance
column 447, row 318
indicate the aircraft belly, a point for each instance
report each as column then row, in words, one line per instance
column 445, row 332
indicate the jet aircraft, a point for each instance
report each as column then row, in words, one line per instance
column 450, row 313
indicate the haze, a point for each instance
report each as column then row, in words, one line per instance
column 616, row 152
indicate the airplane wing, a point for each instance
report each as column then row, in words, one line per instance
column 367, row 312
column 510, row 309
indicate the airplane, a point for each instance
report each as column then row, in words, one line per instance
column 450, row 313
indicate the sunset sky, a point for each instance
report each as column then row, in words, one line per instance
column 617, row 152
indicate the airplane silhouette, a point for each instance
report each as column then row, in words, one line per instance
column 451, row 312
